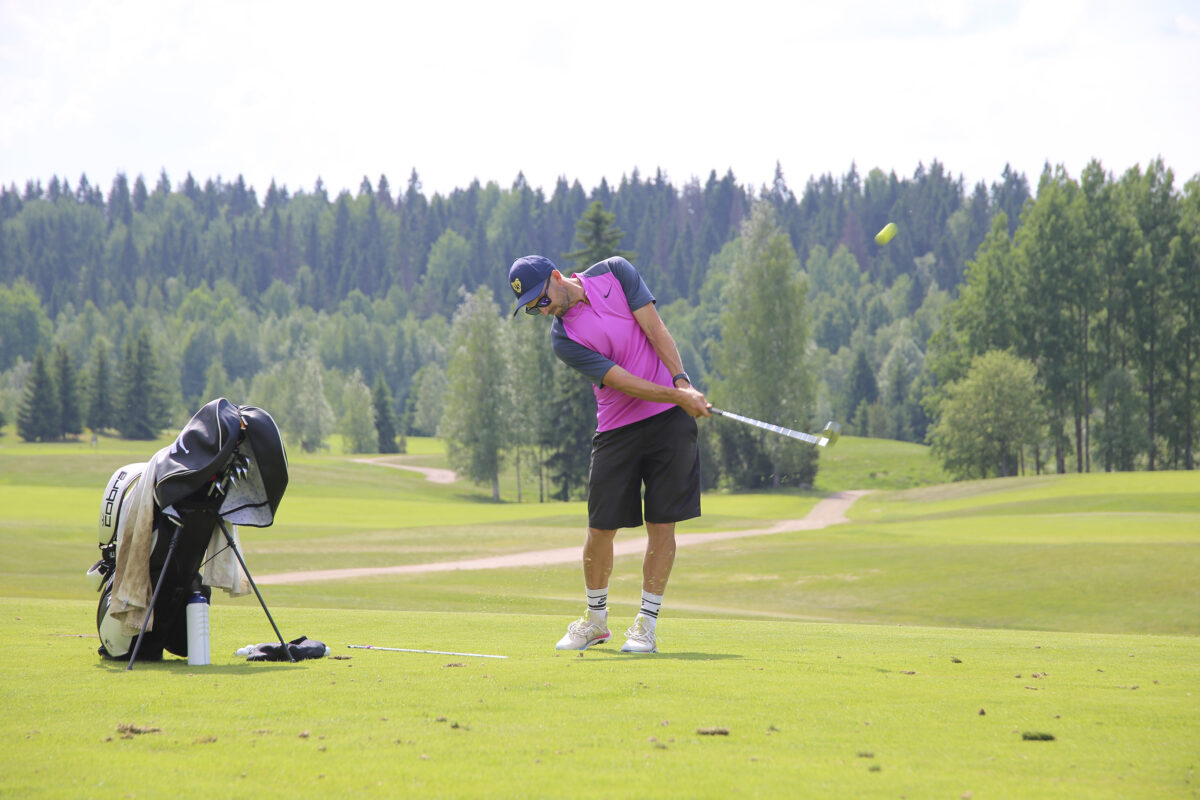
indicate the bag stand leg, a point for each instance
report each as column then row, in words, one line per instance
column 254, row 586
column 157, row 588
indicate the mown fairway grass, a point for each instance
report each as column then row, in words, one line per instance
column 811, row 710
column 853, row 661
column 857, row 463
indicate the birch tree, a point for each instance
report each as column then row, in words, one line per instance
column 472, row 423
column 764, row 333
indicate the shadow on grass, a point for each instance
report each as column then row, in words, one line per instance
column 183, row 668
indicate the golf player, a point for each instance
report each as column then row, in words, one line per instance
column 606, row 326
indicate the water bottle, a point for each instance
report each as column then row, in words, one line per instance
column 197, row 630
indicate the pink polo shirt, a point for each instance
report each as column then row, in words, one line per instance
column 595, row 335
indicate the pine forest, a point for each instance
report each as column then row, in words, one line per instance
column 1017, row 327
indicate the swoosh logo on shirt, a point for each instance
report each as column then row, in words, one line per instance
column 606, row 294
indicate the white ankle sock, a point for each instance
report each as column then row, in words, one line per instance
column 597, row 603
column 651, row 603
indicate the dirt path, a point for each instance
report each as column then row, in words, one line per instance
column 830, row 511
column 431, row 473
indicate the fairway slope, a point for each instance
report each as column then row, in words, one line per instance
column 829, row 511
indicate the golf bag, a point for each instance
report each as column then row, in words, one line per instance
column 162, row 520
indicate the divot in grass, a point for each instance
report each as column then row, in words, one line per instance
column 129, row 730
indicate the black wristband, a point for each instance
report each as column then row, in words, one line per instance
column 683, row 375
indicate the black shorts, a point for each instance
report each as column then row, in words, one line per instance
column 660, row 452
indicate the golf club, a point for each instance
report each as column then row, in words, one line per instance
column 828, row 438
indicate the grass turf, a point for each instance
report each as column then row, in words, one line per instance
column 731, row 708
column 860, row 463
column 1061, row 607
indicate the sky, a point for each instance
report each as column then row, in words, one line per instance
column 458, row 91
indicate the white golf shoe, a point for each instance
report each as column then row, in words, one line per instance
column 639, row 638
column 582, row 634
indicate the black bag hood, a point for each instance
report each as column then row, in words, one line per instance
column 204, row 452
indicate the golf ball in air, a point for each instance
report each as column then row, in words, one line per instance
column 885, row 235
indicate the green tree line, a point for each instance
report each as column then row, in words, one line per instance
column 76, row 244
column 308, row 301
column 1098, row 289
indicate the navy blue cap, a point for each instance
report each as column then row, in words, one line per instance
column 527, row 276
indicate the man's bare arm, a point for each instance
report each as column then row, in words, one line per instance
column 685, row 397
column 660, row 338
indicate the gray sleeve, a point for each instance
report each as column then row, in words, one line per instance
column 578, row 357
column 636, row 291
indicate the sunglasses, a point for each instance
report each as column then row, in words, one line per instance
column 542, row 301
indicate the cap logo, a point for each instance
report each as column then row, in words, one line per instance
column 516, row 285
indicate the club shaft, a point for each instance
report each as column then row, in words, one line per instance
column 137, row 645
column 229, row 538
column 820, row 441
column 433, row 652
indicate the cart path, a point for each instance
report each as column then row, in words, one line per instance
column 431, row 473
column 829, row 511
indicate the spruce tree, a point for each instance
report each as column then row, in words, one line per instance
column 40, row 413
column 140, row 195
column 861, row 390
column 143, row 411
column 568, row 441
column 598, row 237
column 197, row 356
column 70, row 419
column 385, row 415
column 100, row 405
column 120, row 204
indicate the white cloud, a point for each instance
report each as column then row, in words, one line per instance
column 1187, row 25
column 464, row 90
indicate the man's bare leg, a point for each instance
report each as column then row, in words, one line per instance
column 660, row 557
column 592, row 628
column 656, row 571
column 598, row 558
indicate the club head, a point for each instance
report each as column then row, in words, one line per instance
column 832, row 432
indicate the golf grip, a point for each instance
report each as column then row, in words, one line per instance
column 820, row 441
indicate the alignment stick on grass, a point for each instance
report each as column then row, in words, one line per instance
column 434, row 652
